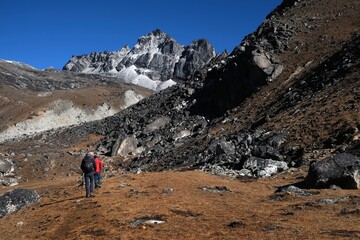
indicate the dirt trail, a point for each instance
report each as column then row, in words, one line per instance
column 193, row 205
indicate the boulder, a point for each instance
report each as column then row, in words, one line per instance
column 126, row 146
column 293, row 189
column 227, row 148
column 264, row 167
column 6, row 167
column 158, row 123
column 181, row 134
column 9, row 181
column 16, row 199
column 267, row 152
column 342, row 170
column 279, row 139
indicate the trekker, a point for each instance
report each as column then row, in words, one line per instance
column 88, row 167
column 99, row 166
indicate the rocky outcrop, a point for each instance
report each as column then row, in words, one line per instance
column 251, row 65
column 252, row 154
column 16, row 199
column 193, row 58
column 7, row 173
column 153, row 62
column 342, row 170
column 6, row 167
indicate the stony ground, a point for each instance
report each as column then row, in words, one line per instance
column 192, row 204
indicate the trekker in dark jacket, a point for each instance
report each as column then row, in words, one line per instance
column 88, row 167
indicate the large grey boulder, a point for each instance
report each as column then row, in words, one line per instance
column 224, row 147
column 342, row 170
column 125, row 146
column 6, row 181
column 16, row 199
column 181, row 134
column 6, row 167
column 267, row 152
column 156, row 124
column 264, row 167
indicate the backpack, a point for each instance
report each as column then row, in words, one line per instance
column 87, row 165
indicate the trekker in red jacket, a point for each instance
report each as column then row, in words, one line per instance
column 99, row 166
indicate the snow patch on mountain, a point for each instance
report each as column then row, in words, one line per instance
column 17, row 63
column 63, row 113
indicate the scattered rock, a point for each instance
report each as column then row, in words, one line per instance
column 148, row 220
column 167, row 191
column 294, row 189
column 334, row 187
column 227, row 148
column 158, row 123
column 346, row 211
column 271, row 227
column 342, row 170
column 181, row 134
column 216, row 189
column 186, row 213
column 14, row 200
column 9, row 181
column 125, row 146
column 19, row 224
column 236, row 224
column 345, row 234
column 264, row 167
column 6, row 167
column 337, row 200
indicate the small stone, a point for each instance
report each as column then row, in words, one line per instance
column 20, row 224
column 334, row 187
column 167, row 190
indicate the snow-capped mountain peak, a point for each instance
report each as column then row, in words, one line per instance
column 153, row 62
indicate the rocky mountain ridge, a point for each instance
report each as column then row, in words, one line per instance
column 154, row 62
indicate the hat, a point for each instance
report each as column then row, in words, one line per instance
column 90, row 153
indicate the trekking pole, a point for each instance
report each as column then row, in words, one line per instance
column 82, row 183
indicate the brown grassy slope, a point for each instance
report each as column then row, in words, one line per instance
column 189, row 212
column 18, row 105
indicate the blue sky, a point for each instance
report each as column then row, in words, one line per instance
column 46, row 33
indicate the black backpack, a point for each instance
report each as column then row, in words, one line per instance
column 87, row 165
